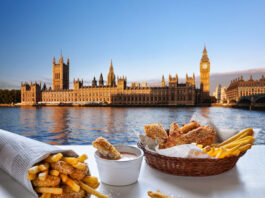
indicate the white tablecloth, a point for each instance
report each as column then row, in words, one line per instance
column 247, row 179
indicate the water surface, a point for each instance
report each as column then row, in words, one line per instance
column 81, row 125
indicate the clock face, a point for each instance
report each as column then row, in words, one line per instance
column 204, row 65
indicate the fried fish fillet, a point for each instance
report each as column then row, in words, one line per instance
column 63, row 167
column 202, row 135
column 189, row 126
column 174, row 128
column 106, row 149
column 157, row 194
column 156, row 131
column 49, row 181
column 79, row 174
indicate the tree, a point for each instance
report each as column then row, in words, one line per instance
column 10, row 96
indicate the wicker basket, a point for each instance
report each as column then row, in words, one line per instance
column 189, row 166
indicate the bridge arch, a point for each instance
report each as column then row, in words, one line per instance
column 232, row 101
column 244, row 101
column 260, row 99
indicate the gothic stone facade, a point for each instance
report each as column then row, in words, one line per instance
column 115, row 92
column 240, row 87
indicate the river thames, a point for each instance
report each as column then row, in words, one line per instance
column 81, row 125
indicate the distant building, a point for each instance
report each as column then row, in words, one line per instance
column 220, row 94
column 116, row 91
column 240, row 87
column 217, row 93
column 223, row 95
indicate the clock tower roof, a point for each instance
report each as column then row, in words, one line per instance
column 204, row 55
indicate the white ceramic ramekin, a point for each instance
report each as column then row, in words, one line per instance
column 120, row 173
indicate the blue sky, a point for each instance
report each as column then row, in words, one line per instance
column 145, row 39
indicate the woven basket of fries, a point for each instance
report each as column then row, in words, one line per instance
column 221, row 156
column 189, row 166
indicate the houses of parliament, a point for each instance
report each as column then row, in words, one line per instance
column 116, row 90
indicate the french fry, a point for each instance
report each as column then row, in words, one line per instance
column 46, row 195
column 54, row 172
column 246, row 140
column 43, row 175
column 91, row 181
column 44, row 167
column 246, row 132
column 54, row 158
column 244, row 147
column 82, row 158
column 80, row 166
column 33, row 170
column 74, row 186
column 31, row 176
column 71, row 160
column 63, row 177
column 51, row 190
column 91, row 190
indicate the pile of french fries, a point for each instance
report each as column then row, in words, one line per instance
column 48, row 182
column 232, row 146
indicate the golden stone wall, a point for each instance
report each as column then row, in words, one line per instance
column 240, row 87
column 173, row 93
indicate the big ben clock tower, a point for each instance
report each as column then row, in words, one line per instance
column 205, row 71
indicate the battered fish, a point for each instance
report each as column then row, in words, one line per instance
column 79, row 174
column 156, row 131
column 202, row 135
column 106, row 149
column 63, row 167
column 49, row 181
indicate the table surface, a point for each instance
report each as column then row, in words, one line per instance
column 246, row 179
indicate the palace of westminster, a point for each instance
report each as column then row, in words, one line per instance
column 116, row 91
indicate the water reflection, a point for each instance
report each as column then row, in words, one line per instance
column 60, row 129
column 79, row 125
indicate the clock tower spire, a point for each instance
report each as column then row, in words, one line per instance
column 205, row 71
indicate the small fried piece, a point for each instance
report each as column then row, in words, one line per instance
column 54, row 172
column 71, row 160
column 174, row 128
column 106, row 149
column 69, row 193
column 91, row 181
column 82, row 158
column 34, row 170
column 44, row 167
column 54, row 158
column 46, row 195
column 42, row 176
column 157, row 194
column 49, row 181
column 31, row 176
column 156, row 131
column 63, row 167
column 74, row 186
column 91, row 190
column 51, row 190
column 189, row 126
column 78, row 173
column 80, row 166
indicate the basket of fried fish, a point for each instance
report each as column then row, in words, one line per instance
column 191, row 150
column 59, row 176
